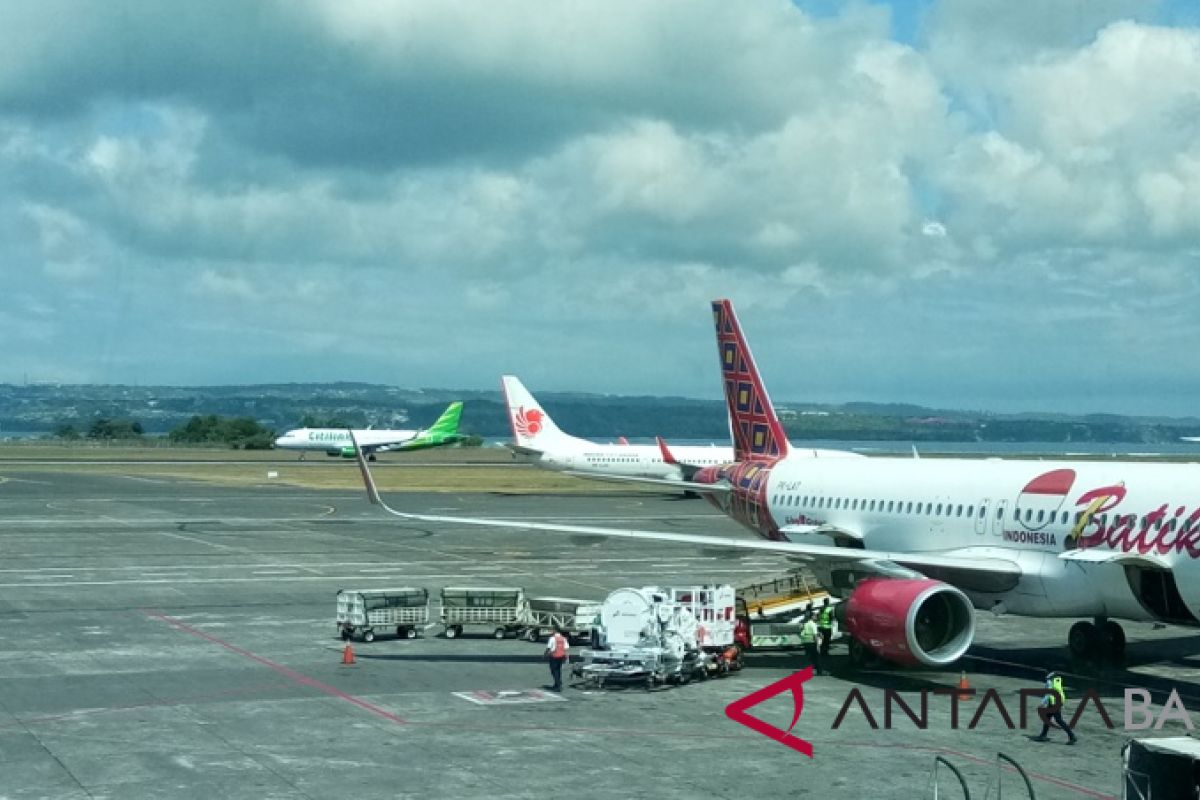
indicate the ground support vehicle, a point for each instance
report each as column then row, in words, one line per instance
column 782, row 597
column 775, row 610
column 366, row 612
column 504, row 610
column 576, row 618
column 648, row 636
column 1166, row 768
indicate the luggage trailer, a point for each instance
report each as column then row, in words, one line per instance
column 362, row 612
column 576, row 618
column 503, row 609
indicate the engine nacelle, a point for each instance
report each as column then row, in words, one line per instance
column 911, row 621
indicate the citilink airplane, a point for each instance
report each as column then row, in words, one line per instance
column 339, row 442
column 913, row 546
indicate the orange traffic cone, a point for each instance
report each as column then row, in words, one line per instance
column 348, row 655
column 964, row 688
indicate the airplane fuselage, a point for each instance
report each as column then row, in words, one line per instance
column 330, row 439
column 627, row 460
column 1133, row 529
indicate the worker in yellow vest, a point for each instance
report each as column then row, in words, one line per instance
column 810, row 639
column 556, row 653
column 825, row 625
column 1051, row 709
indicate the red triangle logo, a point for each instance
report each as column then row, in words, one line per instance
column 736, row 710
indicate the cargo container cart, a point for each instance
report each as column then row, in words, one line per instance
column 505, row 610
column 364, row 612
column 577, row 618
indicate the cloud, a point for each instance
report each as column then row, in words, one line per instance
column 353, row 190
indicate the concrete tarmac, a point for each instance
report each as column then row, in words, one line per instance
column 162, row 638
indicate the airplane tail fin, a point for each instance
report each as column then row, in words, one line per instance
column 757, row 432
column 447, row 423
column 531, row 425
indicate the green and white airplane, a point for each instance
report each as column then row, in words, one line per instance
column 337, row 441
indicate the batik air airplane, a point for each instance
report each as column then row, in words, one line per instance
column 338, row 441
column 540, row 441
column 913, row 546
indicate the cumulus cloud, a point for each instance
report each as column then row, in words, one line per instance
column 581, row 178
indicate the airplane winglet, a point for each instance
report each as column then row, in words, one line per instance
column 668, row 457
column 368, row 479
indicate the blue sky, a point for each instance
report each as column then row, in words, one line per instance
column 976, row 204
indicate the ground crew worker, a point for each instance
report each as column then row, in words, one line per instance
column 556, row 652
column 1051, row 709
column 810, row 636
column 825, row 624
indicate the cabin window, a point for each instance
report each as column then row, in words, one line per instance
column 958, row 511
column 939, row 509
column 1000, row 512
column 908, row 507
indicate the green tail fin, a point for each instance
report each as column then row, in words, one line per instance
column 447, row 423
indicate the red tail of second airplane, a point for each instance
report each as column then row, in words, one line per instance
column 757, row 432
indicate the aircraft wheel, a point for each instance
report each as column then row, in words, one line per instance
column 1084, row 640
column 1114, row 640
column 860, row 656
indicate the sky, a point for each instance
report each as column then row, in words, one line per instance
column 975, row 204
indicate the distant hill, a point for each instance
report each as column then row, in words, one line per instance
column 280, row 406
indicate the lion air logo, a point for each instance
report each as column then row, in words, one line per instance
column 528, row 423
column 1042, row 497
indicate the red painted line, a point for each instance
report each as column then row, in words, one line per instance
column 295, row 677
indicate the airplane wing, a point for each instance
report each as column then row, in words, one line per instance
column 688, row 470
column 872, row 560
column 683, row 486
column 1115, row 557
column 384, row 447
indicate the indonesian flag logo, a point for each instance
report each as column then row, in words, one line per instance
column 528, row 423
column 1040, row 500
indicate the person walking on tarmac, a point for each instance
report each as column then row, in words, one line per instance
column 556, row 653
column 810, row 636
column 825, row 625
column 1051, row 709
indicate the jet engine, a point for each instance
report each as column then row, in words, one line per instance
column 911, row 621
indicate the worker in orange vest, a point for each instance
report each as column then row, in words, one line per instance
column 556, row 652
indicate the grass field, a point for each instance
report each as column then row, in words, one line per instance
column 439, row 470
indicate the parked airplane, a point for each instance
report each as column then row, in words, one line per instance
column 539, row 440
column 914, row 545
column 338, row 441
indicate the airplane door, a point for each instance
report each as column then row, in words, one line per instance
column 981, row 516
column 998, row 517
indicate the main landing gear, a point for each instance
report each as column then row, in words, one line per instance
column 1102, row 639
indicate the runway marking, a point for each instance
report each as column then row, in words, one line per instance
column 295, row 677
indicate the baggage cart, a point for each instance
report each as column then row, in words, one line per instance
column 576, row 618
column 366, row 612
column 505, row 610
